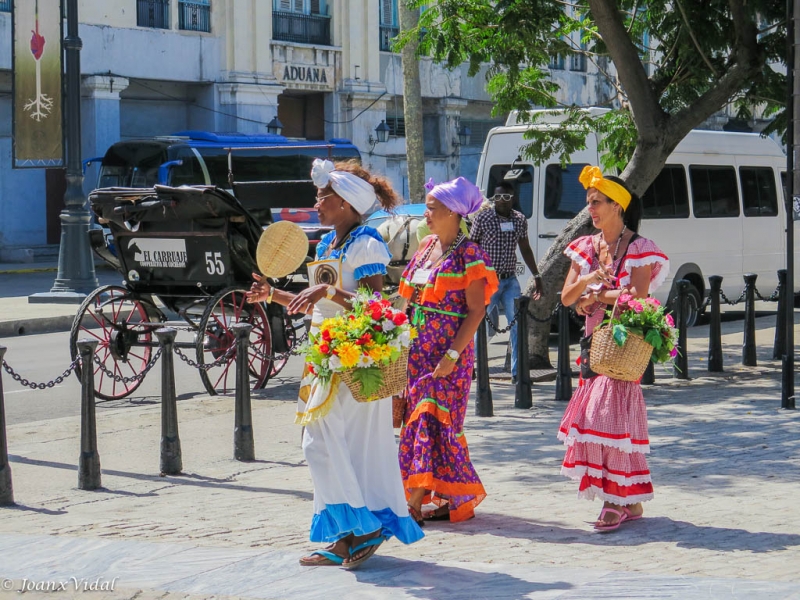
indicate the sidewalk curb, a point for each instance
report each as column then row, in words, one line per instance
column 36, row 325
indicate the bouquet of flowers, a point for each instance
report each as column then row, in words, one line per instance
column 645, row 318
column 366, row 346
column 634, row 332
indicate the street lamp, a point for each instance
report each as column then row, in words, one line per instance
column 463, row 135
column 381, row 133
column 275, row 126
column 76, row 276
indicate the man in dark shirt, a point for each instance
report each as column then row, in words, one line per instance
column 499, row 232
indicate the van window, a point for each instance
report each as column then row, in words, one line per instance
column 714, row 192
column 759, row 197
column 523, row 186
column 564, row 195
column 667, row 197
column 188, row 173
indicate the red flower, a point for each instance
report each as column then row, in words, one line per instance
column 324, row 348
column 311, row 370
column 352, row 317
column 399, row 319
column 326, row 335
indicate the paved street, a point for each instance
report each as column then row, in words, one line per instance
column 723, row 524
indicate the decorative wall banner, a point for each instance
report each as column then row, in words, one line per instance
column 37, row 67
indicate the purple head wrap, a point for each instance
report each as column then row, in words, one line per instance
column 459, row 195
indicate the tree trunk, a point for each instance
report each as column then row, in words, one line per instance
column 412, row 106
column 554, row 267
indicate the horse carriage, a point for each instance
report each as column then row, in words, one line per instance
column 184, row 251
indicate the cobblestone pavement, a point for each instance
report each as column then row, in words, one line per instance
column 723, row 523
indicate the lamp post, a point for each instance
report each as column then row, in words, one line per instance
column 381, row 135
column 76, row 276
column 791, row 193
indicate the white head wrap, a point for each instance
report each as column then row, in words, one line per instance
column 355, row 191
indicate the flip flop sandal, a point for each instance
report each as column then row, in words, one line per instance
column 371, row 546
column 416, row 515
column 604, row 528
column 436, row 515
column 330, row 559
column 630, row 515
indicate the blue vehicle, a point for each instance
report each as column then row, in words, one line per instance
column 268, row 174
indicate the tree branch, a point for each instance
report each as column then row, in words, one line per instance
column 648, row 114
column 694, row 39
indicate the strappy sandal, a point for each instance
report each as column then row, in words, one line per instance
column 416, row 515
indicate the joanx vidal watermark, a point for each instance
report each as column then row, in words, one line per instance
column 72, row 584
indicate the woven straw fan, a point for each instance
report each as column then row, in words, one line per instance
column 281, row 250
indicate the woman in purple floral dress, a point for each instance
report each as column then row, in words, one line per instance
column 447, row 285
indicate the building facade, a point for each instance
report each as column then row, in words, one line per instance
column 323, row 67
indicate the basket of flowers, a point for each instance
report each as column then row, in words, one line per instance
column 366, row 346
column 634, row 332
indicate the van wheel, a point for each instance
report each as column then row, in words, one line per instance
column 693, row 304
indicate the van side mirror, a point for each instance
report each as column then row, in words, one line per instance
column 163, row 170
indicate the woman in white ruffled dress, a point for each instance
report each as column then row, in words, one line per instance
column 350, row 448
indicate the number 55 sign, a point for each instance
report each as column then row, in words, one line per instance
column 214, row 264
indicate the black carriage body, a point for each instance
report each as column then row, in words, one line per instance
column 178, row 243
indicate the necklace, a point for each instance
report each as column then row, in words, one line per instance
column 337, row 243
column 616, row 247
column 428, row 264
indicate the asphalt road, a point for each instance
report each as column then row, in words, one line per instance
column 42, row 358
column 13, row 284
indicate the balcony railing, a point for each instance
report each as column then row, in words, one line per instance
column 387, row 33
column 304, row 29
column 5, row 5
column 194, row 16
column 153, row 13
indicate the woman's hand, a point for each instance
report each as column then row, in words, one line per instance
column 259, row 291
column 584, row 304
column 600, row 276
column 304, row 301
column 444, row 368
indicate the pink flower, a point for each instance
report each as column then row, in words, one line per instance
column 625, row 298
column 670, row 320
column 673, row 353
column 636, row 306
column 652, row 302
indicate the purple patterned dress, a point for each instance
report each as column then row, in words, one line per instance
column 433, row 449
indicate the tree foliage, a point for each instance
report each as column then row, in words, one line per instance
column 677, row 62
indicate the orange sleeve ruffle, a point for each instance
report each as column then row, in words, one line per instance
column 449, row 282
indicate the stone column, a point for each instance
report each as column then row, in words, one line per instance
column 100, row 119
column 449, row 119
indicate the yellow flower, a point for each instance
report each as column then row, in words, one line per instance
column 349, row 354
column 413, row 332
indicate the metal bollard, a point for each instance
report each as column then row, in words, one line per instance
column 171, row 460
column 779, row 348
column 483, row 396
column 6, row 486
column 243, row 445
column 564, row 369
column 89, row 461
column 749, row 358
column 524, row 393
column 649, row 375
column 681, row 366
column 715, row 326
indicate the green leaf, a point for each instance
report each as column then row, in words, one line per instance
column 653, row 338
column 620, row 334
column 370, row 379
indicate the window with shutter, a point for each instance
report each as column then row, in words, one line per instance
column 388, row 12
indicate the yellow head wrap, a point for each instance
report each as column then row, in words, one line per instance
column 592, row 177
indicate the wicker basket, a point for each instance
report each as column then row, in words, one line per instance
column 626, row 363
column 398, row 410
column 395, row 377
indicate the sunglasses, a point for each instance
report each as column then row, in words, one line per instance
column 502, row 197
column 325, row 196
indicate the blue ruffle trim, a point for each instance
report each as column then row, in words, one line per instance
column 358, row 232
column 369, row 270
column 339, row 520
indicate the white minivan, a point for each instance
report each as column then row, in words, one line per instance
column 716, row 208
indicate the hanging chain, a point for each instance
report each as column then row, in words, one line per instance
column 728, row 302
column 132, row 378
column 772, row 297
column 40, row 386
column 203, row 366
